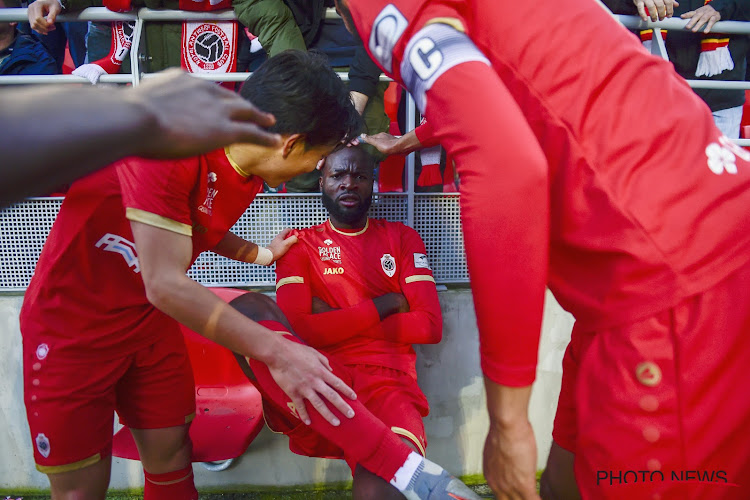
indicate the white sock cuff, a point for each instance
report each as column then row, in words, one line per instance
column 403, row 475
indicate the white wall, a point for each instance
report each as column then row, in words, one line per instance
column 449, row 374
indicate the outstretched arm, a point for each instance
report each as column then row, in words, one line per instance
column 53, row 136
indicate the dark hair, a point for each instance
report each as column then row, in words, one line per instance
column 306, row 96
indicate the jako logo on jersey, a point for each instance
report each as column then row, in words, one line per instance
column 330, row 253
column 389, row 264
column 208, row 204
column 386, row 30
column 333, row 270
column 42, row 444
column 722, row 156
column 118, row 244
column 41, row 351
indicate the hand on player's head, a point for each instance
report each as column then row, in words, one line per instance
column 193, row 116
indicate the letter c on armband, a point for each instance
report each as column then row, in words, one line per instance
column 432, row 51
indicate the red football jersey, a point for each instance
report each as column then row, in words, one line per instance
column 87, row 289
column 599, row 171
column 347, row 269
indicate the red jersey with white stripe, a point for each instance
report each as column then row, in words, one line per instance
column 347, row 269
column 586, row 164
column 87, row 289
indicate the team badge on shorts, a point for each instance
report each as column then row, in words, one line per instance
column 41, row 351
column 42, row 445
column 389, row 264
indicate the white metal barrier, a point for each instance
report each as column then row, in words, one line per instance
column 24, row 227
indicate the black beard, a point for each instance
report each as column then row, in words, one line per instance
column 346, row 215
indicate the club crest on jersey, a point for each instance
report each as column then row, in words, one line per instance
column 118, row 244
column 388, row 263
column 333, row 270
column 207, row 207
column 42, row 445
column 330, row 253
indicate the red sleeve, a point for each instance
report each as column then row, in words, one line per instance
column 504, row 193
column 426, row 134
column 294, row 297
column 423, row 324
column 157, row 192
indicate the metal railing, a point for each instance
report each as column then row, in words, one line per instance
column 436, row 216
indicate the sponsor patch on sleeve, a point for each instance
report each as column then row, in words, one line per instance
column 420, row 261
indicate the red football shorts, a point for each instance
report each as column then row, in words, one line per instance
column 391, row 395
column 71, row 396
column 660, row 408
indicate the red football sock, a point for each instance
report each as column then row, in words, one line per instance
column 364, row 437
column 170, row 485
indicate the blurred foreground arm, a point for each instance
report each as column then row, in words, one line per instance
column 52, row 136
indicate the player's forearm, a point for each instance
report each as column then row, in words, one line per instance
column 332, row 327
column 41, row 153
column 507, row 406
column 415, row 327
column 507, row 244
column 199, row 309
column 233, row 247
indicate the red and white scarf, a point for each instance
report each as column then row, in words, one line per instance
column 714, row 57
column 207, row 46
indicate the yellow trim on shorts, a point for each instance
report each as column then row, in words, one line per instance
column 450, row 21
column 190, row 418
column 159, row 221
column 56, row 469
column 419, row 277
column 288, row 280
column 234, row 164
column 410, row 436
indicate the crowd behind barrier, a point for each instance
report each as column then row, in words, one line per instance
column 436, row 216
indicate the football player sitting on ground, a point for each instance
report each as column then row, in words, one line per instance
column 361, row 291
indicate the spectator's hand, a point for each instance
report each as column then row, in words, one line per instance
column 214, row 118
column 280, row 244
column 510, row 461
column 92, row 72
column 657, row 9
column 705, row 15
column 305, row 374
column 383, row 142
column 320, row 306
column 42, row 15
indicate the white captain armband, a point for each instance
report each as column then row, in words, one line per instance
column 432, row 51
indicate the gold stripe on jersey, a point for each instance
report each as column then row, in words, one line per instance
column 410, row 436
column 236, row 167
column 419, row 277
column 289, row 279
column 56, row 469
column 159, row 221
column 450, row 21
column 367, row 224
